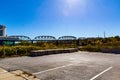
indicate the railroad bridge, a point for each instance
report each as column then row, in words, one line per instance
column 18, row 38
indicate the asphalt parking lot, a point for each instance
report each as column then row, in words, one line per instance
column 68, row 66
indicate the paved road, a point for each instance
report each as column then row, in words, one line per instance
column 71, row 66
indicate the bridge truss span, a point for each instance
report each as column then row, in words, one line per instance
column 45, row 38
column 19, row 37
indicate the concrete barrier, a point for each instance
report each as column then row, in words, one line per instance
column 51, row 51
column 116, row 51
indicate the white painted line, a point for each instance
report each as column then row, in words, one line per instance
column 72, row 58
column 53, row 69
column 101, row 73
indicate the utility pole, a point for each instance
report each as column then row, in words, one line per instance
column 104, row 35
column 98, row 36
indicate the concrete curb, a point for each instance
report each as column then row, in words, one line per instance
column 116, row 51
column 51, row 51
column 16, row 75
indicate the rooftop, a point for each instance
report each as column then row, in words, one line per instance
column 2, row 26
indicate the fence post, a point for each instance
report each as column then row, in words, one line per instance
column 16, row 51
column 3, row 50
column 26, row 52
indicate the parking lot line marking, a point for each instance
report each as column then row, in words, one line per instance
column 72, row 58
column 101, row 73
column 53, row 69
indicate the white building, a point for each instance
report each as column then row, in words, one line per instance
column 2, row 31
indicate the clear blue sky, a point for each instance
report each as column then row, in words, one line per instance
column 80, row 18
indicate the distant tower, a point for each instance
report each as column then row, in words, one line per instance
column 2, row 31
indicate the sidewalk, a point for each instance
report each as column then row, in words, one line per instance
column 16, row 75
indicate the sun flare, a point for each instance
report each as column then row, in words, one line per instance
column 72, row 2
column 71, row 6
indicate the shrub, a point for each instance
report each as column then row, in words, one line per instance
column 91, row 48
column 7, row 51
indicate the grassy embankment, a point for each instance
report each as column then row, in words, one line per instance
column 100, row 44
column 24, row 48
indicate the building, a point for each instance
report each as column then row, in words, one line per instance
column 2, row 31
